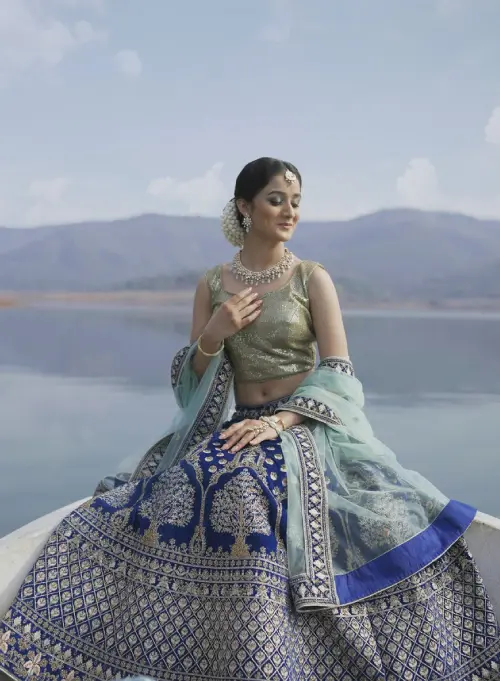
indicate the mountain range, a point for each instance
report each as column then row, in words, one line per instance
column 395, row 254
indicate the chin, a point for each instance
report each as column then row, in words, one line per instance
column 284, row 234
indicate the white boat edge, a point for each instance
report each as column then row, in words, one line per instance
column 19, row 550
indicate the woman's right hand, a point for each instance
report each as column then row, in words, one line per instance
column 232, row 316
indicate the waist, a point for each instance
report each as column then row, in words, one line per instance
column 245, row 411
column 260, row 392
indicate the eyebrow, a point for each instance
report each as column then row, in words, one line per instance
column 278, row 191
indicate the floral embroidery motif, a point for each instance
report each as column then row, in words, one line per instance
column 4, row 641
column 316, row 588
column 120, row 496
column 240, row 508
column 32, row 666
column 313, row 409
column 171, row 502
column 167, row 612
column 177, row 364
column 338, row 364
column 388, row 518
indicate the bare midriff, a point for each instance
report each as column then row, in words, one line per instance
column 253, row 394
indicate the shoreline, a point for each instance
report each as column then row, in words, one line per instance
column 11, row 299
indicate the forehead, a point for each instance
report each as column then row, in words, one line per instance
column 278, row 183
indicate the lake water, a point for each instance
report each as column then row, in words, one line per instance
column 83, row 390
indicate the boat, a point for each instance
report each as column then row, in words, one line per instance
column 19, row 550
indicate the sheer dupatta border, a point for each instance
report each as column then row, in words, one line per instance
column 315, row 588
column 203, row 407
column 332, row 401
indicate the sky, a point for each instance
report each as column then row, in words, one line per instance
column 112, row 108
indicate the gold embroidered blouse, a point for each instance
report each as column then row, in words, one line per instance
column 281, row 341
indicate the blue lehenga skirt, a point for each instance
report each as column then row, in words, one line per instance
column 183, row 576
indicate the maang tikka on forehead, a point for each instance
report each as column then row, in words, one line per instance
column 290, row 177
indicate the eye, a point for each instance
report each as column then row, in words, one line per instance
column 275, row 201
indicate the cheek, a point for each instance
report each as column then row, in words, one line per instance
column 269, row 212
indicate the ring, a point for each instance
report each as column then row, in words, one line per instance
column 257, row 429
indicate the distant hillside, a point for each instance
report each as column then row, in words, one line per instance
column 348, row 290
column 481, row 283
column 394, row 254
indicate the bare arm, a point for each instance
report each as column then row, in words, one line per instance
column 328, row 327
column 327, row 316
column 202, row 312
column 213, row 328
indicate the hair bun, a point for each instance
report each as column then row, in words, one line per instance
column 231, row 226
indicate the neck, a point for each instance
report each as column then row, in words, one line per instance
column 257, row 256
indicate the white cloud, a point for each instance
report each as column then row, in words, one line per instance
column 93, row 5
column 129, row 63
column 492, row 128
column 29, row 37
column 278, row 28
column 204, row 195
column 86, row 33
column 44, row 198
column 48, row 190
column 418, row 186
column 60, row 200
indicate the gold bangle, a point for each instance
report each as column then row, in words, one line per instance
column 209, row 354
column 273, row 422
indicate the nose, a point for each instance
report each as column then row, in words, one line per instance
column 288, row 209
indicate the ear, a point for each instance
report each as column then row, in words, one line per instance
column 243, row 206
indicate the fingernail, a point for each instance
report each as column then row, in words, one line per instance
column 225, row 446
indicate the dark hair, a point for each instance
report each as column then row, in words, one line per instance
column 257, row 174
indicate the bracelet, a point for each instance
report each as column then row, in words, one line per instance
column 274, row 422
column 209, row 354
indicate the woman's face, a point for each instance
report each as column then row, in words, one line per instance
column 275, row 210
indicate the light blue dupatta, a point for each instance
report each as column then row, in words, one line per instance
column 357, row 521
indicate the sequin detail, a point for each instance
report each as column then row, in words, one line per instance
column 281, row 341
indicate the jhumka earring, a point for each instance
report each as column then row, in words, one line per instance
column 247, row 223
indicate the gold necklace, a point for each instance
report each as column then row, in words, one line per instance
column 252, row 278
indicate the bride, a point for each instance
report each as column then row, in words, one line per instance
column 269, row 534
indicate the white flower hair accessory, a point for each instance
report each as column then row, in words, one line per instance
column 231, row 227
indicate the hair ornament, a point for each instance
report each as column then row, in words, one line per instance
column 231, row 226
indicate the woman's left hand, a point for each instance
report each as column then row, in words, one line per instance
column 243, row 433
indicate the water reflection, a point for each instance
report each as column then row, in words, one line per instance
column 83, row 390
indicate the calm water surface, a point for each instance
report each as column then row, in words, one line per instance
column 82, row 392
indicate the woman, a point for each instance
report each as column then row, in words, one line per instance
column 285, row 543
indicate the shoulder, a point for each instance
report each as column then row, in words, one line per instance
column 212, row 276
column 320, row 283
column 313, row 273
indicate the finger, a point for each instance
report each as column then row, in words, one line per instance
column 232, row 429
column 242, row 443
column 248, row 320
column 241, row 295
column 236, row 437
column 268, row 434
column 251, row 308
column 246, row 300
